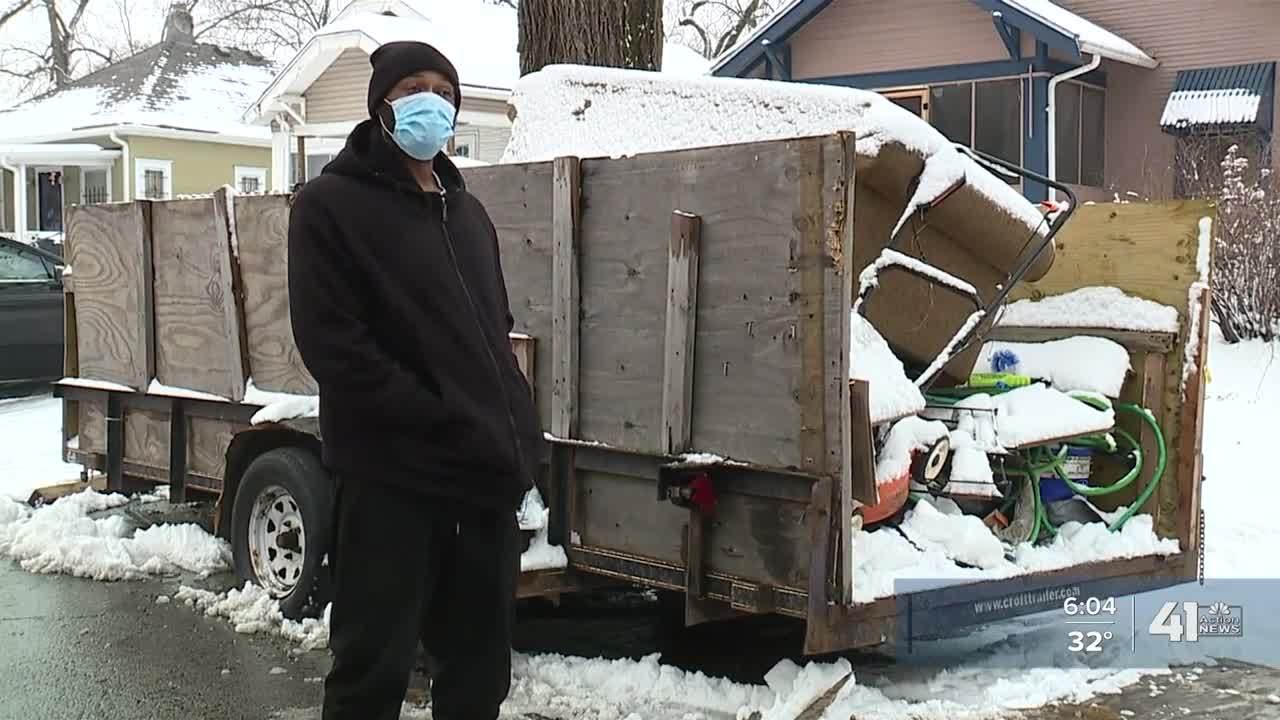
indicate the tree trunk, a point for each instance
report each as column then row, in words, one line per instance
column 59, row 54
column 611, row 33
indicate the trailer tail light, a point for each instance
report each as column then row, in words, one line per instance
column 702, row 494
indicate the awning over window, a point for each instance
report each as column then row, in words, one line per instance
column 1221, row 99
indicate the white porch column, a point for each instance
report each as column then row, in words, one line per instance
column 20, row 204
column 280, row 165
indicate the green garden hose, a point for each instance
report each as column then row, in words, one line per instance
column 1041, row 460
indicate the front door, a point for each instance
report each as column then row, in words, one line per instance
column 31, row 324
column 49, row 200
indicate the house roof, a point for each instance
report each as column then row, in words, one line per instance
column 1221, row 97
column 57, row 154
column 1049, row 22
column 176, row 85
column 480, row 39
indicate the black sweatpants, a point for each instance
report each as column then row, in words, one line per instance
column 406, row 567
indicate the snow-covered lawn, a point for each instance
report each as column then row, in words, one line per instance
column 1240, row 495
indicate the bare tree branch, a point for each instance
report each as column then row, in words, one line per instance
column 14, row 11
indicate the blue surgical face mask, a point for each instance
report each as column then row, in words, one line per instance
column 424, row 124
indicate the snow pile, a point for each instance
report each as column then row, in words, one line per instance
column 1091, row 307
column 541, row 554
column 1192, row 349
column 278, row 407
column 907, row 436
column 892, row 394
column 882, row 557
column 30, row 448
column 970, row 468
column 1092, row 364
column 1242, row 538
column 1030, row 415
column 252, row 610
column 61, row 538
column 606, row 112
column 940, row 525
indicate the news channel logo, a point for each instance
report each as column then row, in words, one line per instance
column 1067, row 625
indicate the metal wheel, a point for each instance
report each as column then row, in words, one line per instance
column 277, row 540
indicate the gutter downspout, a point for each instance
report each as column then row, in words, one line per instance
column 126, row 172
column 19, row 197
column 1052, row 139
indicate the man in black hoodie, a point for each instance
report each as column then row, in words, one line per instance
column 400, row 312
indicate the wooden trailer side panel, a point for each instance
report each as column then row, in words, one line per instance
column 262, row 236
column 519, row 201
column 757, row 204
column 109, row 248
column 197, row 315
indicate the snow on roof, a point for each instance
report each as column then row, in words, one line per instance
column 1091, row 38
column 607, row 112
column 56, row 153
column 1211, row 107
column 173, row 85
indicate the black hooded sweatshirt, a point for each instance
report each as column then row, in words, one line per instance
column 399, row 310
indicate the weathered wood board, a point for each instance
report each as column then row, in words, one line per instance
column 109, row 249
column 518, row 199
column 1148, row 250
column 749, row 348
column 262, row 236
column 762, row 540
column 197, row 318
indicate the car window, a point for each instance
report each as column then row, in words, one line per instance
column 18, row 265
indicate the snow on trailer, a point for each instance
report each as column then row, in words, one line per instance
column 721, row 423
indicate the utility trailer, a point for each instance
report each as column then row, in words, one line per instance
column 685, row 319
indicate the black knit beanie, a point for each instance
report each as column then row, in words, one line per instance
column 396, row 61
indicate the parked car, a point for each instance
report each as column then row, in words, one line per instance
column 31, row 328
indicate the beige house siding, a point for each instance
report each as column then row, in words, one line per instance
column 851, row 37
column 198, row 167
column 340, row 93
column 1181, row 35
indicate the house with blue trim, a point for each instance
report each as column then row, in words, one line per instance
column 1109, row 96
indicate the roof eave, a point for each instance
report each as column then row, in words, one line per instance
column 1141, row 59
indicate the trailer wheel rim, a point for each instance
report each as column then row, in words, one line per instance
column 277, row 540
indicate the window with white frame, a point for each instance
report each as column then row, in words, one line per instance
column 95, row 186
column 154, row 179
column 251, row 180
column 466, row 144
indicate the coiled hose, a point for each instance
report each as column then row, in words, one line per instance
column 1041, row 460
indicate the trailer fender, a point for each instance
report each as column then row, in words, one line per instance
column 245, row 447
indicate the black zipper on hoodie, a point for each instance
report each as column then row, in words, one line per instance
column 484, row 340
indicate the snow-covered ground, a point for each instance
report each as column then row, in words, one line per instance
column 1018, row 664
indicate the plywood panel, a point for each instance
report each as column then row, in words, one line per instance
column 93, row 425
column 747, row 361
column 146, row 438
column 518, row 199
column 197, row 320
column 262, row 235
column 207, row 443
column 110, row 249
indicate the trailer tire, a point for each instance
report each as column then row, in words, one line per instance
column 281, row 525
